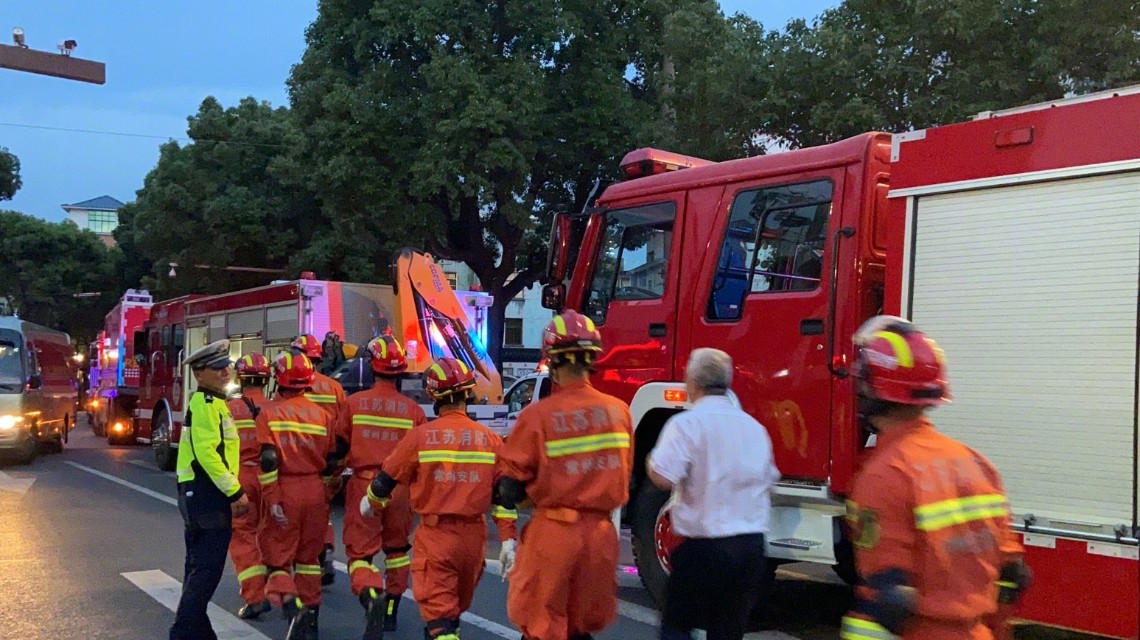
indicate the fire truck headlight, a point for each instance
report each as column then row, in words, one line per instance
column 9, row 422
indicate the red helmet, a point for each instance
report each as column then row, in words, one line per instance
column 446, row 377
column 387, row 355
column 308, row 345
column 570, row 333
column 895, row 362
column 293, row 371
column 253, row 365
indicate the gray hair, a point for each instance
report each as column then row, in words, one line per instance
column 710, row 371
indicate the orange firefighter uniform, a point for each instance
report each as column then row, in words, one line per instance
column 302, row 435
column 245, row 552
column 449, row 465
column 572, row 451
column 375, row 421
column 931, row 525
column 328, row 393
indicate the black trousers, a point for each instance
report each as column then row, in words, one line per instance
column 715, row 585
column 208, row 528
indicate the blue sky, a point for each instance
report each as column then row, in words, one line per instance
column 162, row 59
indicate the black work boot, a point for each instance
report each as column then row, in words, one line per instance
column 373, row 602
column 302, row 626
column 391, row 608
column 328, row 572
column 311, row 631
column 254, row 610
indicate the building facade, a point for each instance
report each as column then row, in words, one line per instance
column 98, row 215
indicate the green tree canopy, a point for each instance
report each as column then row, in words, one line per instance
column 42, row 266
column 9, row 174
column 219, row 202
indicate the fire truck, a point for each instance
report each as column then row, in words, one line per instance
column 421, row 311
column 113, row 373
column 1013, row 239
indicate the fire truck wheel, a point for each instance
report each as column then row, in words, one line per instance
column 165, row 456
column 652, row 561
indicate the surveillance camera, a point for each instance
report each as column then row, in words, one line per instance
column 67, row 46
column 18, row 37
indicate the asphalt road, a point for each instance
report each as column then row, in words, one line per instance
column 91, row 547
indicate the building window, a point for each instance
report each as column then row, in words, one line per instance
column 452, row 279
column 102, row 221
column 513, row 332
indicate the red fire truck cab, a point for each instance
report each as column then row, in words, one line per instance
column 1013, row 239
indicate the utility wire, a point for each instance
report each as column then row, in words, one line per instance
column 142, row 135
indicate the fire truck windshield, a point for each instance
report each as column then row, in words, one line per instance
column 632, row 257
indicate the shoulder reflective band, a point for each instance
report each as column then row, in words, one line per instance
column 469, row 457
column 298, row 427
column 947, row 513
column 587, row 444
column 381, row 421
column 321, row 398
column 859, row 629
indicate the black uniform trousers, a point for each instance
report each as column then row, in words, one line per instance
column 715, row 585
column 206, row 513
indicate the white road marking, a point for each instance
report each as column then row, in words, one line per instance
column 143, row 464
column 166, row 590
column 15, row 485
column 468, row 617
column 130, row 485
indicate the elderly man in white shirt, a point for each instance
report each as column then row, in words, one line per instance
column 717, row 460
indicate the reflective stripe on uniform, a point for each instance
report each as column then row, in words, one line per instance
column 308, row 570
column 362, row 564
column 267, row 478
column 252, row 572
column 587, row 444
column 321, row 398
column 859, row 629
column 383, row 421
column 298, row 427
column 228, row 483
column 245, row 424
column 278, row 572
column 372, row 497
column 185, row 475
column 947, row 513
column 505, row 514
column 852, row 515
column 398, row 562
column 470, row 457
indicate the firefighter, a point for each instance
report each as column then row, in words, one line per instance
column 570, row 454
column 449, row 464
column 253, row 374
column 929, row 518
column 376, row 421
column 296, row 437
column 209, row 493
column 331, row 397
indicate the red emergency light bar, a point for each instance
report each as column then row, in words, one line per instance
column 650, row 162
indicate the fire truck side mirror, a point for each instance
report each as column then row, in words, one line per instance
column 559, row 251
column 553, row 296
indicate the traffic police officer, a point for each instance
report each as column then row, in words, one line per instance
column 930, row 520
column 209, row 493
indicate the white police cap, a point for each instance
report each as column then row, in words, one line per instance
column 215, row 355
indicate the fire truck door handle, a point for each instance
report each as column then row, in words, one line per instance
column 811, row 326
column 657, row 330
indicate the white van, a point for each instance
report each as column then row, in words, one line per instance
column 39, row 393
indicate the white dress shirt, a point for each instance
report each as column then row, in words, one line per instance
column 719, row 460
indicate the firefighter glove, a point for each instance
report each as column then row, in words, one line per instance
column 507, row 556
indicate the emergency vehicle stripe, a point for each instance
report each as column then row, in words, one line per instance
column 858, row 629
column 245, row 424
column 586, row 444
column 321, row 398
column 505, row 514
column 252, row 572
column 362, row 564
column 947, row 513
column 471, row 457
column 902, row 349
column 399, row 562
column 382, row 421
column 307, row 569
column 267, row 478
column 298, row 427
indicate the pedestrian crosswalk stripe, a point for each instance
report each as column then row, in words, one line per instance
column 166, row 590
